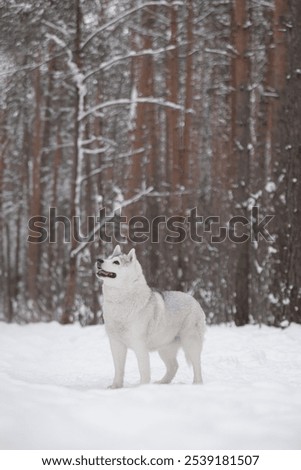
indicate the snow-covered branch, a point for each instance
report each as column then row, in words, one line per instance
column 58, row 41
column 130, row 55
column 128, row 102
column 98, row 226
column 97, row 171
column 96, row 151
column 217, row 51
column 56, row 27
column 127, row 13
column 31, row 67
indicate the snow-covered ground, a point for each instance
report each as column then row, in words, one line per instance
column 53, row 392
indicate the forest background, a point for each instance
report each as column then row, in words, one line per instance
column 155, row 108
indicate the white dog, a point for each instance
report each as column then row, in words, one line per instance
column 144, row 320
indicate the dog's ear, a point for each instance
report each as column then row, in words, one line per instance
column 132, row 254
column 117, row 251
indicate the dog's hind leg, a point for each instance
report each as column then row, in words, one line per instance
column 168, row 355
column 192, row 347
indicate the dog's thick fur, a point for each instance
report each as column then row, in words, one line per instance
column 144, row 320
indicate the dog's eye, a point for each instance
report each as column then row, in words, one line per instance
column 116, row 262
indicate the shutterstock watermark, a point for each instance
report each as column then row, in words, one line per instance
column 140, row 229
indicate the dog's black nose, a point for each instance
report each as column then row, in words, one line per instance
column 99, row 260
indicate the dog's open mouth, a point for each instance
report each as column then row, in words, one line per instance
column 103, row 273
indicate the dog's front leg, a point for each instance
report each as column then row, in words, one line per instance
column 119, row 355
column 142, row 355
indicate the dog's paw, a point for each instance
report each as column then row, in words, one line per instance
column 114, row 386
column 162, row 382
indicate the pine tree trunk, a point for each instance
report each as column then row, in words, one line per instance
column 238, row 170
column 34, row 249
column 67, row 316
column 287, row 167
